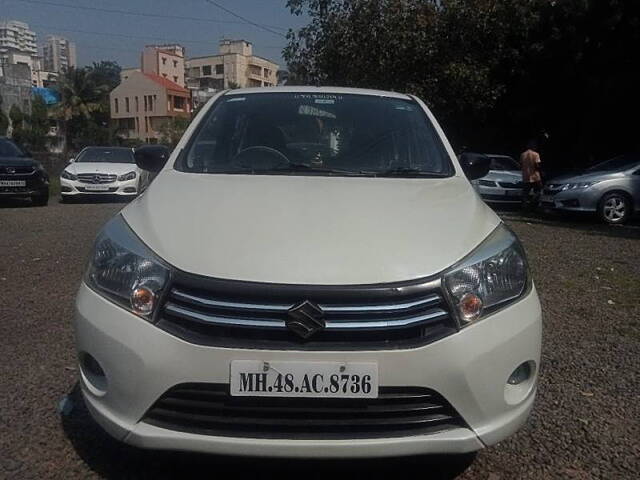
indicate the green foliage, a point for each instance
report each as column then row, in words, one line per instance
column 32, row 131
column 495, row 72
column 171, row 131
column 4, row 121
column 84, row 106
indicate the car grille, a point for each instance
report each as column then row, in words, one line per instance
column 209, row 409
column 244, row 315
column 9, row 172
column 110, row 190
column 96, row 178
column 510, row 184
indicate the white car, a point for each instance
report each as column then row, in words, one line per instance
column 503, row 183
column 311, row 274
column 102, row 170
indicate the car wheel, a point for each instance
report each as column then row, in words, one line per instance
column 615, row 208
column 40, row 200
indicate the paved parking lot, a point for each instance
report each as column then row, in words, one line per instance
column 585, row 424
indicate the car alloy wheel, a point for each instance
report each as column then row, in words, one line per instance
column 615, row 208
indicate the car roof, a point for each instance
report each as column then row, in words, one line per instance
column 300, row 89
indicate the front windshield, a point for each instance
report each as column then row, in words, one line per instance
column 9, row 149
column 316, row 134
column 622, row 162
column 106, row 155
column 504, row 164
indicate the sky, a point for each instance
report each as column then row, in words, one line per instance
column 119, row 36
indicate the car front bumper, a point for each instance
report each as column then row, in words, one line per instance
column 585, row 200
column 499, row 194
column 72, row 188
column 469, row 368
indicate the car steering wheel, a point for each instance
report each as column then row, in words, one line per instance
column 270, row 158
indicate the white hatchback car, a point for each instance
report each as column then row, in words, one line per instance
column 102, row 170
column 311, row 274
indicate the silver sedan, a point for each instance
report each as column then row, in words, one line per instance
column 503, row 183
column 611, row 189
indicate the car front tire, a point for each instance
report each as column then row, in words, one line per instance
column 615, row 208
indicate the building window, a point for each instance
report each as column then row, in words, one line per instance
column 175, row 79
column 206, row 70
column 137, row 104
column 126, row 104
column 178, row 103
column 146, row 104
column 164, row 61
column 220, row 69
column 175, row 64
column 150, row 103
column 116, row 105
column 164, row 75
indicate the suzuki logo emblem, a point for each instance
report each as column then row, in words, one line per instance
column 305, row 319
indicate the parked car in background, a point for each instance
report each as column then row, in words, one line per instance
column 309, row 275
column 503, row 183
column 611, row 189
column 20, row 175
column 102, row 170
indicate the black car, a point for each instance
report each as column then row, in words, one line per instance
column 21, row 175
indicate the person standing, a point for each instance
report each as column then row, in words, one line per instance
column 531, row 177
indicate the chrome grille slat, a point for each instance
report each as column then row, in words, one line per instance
column 174, row 309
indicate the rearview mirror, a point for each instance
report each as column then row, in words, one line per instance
column 151, row 157
column 474, row 165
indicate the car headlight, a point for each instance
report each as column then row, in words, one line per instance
column 127, row 176
column 492, row 276
column 68, row 175
column 575, row 186
column 124, row 270
column 487, row 183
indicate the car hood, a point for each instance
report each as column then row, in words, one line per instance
column 17, row 162
column 504, row 176
column 308, row 229
column 100, row 167
column 585, row 177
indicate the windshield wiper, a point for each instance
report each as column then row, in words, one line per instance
column 303, row 167
column 408, row 172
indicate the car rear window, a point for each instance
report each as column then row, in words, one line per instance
column 259, row 133
column 106, row 155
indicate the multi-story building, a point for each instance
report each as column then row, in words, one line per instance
column 166, row 61
column 144, row 102
column 234, row 66
column 18, row 44
column 58, row 54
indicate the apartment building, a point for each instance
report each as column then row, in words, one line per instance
column 144, row 102
column 18, row 45
column 166, row 61
column 235, row 65
column 58, row 54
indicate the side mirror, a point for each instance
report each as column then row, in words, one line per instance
column 151, row 157
column 474, row 165
column 71, row 160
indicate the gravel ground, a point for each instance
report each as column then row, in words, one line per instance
column 585, row 423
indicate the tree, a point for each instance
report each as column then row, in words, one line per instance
column 81, row 101
column 494, row 72
column 171, row 131
column 31, row 130
column 4, row 121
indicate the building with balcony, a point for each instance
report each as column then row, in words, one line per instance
column 144, row 102
column 166, row 61
column 58, row 54
column 234, row 66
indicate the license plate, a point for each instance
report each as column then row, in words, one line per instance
column 513, row 193
column 251, row 378
column 97, row 188
column 13, row 183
